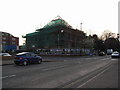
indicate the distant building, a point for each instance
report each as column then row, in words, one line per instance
column 57, row 34
column 9, row 42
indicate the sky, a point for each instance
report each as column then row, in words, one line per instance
column 20, row 17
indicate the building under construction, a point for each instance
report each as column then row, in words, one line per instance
column 57, row 34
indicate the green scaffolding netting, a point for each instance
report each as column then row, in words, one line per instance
column 56, row 22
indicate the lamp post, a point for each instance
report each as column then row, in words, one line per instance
column 59, row 38
column 118, row 36
column 33, row 47
column 81, row 26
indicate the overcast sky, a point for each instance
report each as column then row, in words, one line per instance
column 20, row 17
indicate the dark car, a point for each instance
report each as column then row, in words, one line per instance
column 26, row 58
column 101, row 54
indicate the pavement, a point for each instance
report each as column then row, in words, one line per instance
column 7, row 62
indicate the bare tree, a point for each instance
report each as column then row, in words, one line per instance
column 107, row 34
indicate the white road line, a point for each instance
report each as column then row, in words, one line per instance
column 8, row 76
column 12, row 76
column 69, row 85
column 93, row 78
column 54, row 68
column 5, row 77
column 88, row 58
column 79, row 62
column 105, row 59
column 114, row 59
column 65, row 60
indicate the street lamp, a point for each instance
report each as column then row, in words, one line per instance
column 62, row 31
column 59, row 37
column 33, row 47
column 81, row 26
column 118, row 36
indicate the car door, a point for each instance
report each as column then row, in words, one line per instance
column 29, row 58
column 34, row 58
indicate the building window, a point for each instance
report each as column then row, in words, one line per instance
column 13, row 39
column 4, row 38
column 13, row 42
column 4, row 42
column 6, row 34
column 3, row 34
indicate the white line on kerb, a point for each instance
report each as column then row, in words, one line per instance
column 8, row 76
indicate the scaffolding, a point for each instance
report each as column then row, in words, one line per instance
column 56, row 22
column 50, row 36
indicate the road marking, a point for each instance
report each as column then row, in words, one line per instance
column 65, row 60
column 105, row 58
column 89, row 58
column 93, row 78
column 54, row 68
column 74, row 82
column 12, row 76
column 79, row 62
column 8, row 76
column 4, row 77
column 114, row 59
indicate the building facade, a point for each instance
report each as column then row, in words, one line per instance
column 9, row 42
column 57, row 34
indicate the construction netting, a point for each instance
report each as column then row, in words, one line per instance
column 57, row 22
column 54, row 23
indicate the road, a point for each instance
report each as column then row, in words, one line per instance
column 64, row 72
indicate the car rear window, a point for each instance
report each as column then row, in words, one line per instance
column 116, row 53
column 25, row 54
column 21, row 55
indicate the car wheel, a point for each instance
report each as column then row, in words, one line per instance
column 25, row 63
column 39, row 62
column 16, row 64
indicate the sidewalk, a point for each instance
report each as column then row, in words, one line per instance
column 7, row 62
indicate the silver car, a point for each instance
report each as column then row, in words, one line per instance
column 5, row 54
column 115, row 54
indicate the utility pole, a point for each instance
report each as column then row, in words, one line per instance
column 59, row 38
column 118, row 36
column 81, row 26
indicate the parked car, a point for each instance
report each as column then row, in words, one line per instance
column 5, row 54
column 26, row 58
column 101, row 54
column 115, row 54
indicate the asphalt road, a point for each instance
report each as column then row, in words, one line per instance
column 63, row 72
